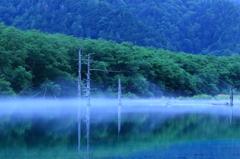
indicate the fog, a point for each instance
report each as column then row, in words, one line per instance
column 110, row 106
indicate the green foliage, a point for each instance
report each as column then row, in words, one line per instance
column 21, row 79
column 32, row 63
column 50, row 88
column 202, row 96
column 129, row 95
column 222, row 97
column 206, row 27
column 5, row 88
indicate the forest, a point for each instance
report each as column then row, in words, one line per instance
column 36, row 64
column 191, row 26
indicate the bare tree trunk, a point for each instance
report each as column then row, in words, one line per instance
column 119, row 105
column 231, row 96
column 79, row 96
column 231, row 115
column 88, row 104
column 35, row 95
column 44, row 94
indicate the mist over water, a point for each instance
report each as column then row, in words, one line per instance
column 109, row 106
column 150, row 127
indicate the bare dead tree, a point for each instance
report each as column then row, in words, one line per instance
column 231, row 116
column 88, row 88
column 88, row 61
column 231, row 96
column 44, row 94
column 119, row 104
column 79, row 96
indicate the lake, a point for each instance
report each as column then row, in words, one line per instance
column 141, row 129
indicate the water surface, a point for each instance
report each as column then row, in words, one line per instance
column 149, row 129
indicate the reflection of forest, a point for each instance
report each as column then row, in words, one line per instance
column 29, row 131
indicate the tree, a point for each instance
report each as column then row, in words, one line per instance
column 49, row 89
column 5, row 88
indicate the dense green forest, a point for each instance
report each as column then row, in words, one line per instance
column 191, row 26
column 37, row 64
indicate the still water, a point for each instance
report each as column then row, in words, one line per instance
column 155, row 129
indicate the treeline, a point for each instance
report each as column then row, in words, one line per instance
column 34, row 64
column 191, row 26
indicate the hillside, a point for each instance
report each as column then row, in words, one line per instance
column 34, row 64
column 197, row 27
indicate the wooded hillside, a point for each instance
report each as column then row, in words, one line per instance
column 33, row 63
column 191, row 26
